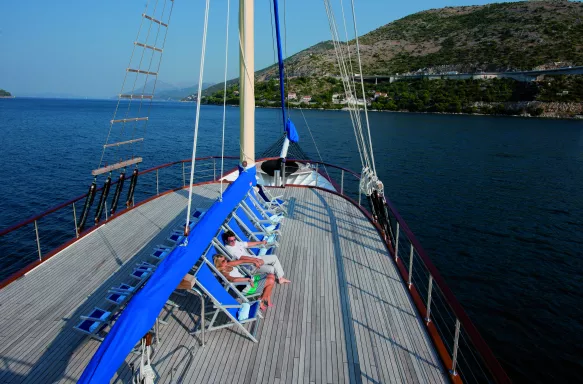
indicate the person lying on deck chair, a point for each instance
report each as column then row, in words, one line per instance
column 266, row 264
column 232, row 274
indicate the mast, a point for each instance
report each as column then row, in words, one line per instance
column 283, row 153
column 246, row 82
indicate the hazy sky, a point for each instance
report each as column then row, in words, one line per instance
column 82, row 48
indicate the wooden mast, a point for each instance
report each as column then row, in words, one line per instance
column 246, row 82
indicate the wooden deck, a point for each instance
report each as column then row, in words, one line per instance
column 346, row 317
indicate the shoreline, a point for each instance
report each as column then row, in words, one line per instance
column 576, row 117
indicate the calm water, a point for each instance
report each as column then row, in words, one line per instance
column 496, row 202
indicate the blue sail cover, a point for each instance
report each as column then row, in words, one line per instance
column 291, row 132
column 290, row 128
column 140, row 314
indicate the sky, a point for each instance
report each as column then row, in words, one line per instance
column 81, row 49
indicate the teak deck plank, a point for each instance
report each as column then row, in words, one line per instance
column 346, row 316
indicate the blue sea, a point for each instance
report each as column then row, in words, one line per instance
column 497, row 202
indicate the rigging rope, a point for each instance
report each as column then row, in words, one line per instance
column 349, row 94
column 200, row 77
column 362, row 86
column 364, row 140
column 315, row 145
column 225, row 98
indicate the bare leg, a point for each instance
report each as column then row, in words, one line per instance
column 266, row 296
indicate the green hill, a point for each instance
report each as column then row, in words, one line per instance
column 496, row 37
column 4, row 93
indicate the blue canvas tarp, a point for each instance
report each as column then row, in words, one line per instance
column 140, row 314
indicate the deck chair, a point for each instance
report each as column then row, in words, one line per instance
column 160, row 253
column 196, row 216
column 141, row 273
column 209, row 284
column 247, row 270
column 275, row 204
column 241, row 235
column 176, row 237
column 94, row 322
column 269, row 233
column 251, row 221
column 117, row 298
column 261, row 212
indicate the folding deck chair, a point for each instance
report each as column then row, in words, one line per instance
column 266, row 214
column 266, row 198
column 247, row 270
column 223, row 302
column 160, row 253
column 244, row 234
column 94, row 322
column 252, row 221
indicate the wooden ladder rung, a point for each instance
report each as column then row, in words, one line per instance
column 115, row 166
column 136, row 96
column 141, row 71
column 123, row 143
column 147, row 46
column 154, row 20
column 128, row 120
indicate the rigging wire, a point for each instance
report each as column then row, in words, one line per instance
column 200, row 77
column 352, row 104
column 362, row 86
column 225, row 97
column 314, row 141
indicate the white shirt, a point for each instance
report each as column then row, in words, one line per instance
column 235, row 273
column 239, row 249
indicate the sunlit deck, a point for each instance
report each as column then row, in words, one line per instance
column 346, row 317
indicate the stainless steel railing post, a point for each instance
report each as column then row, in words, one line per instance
column 411, row 266
column 317, row 173
column 157, row 186
column 428, row 317
column 455, row 346
column 75, row 220
column 183, row 177
column 342, row 183
column 397, row 243
column 40, row 255
column 214, row 170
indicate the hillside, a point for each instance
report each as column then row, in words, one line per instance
column 495, row 37
column 4, row 93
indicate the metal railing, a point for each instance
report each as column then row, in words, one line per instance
column 30, row 242
column 462, row 350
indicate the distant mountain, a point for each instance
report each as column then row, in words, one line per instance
column 495, row 37
column 4, row 93
column 52, row 95
column 169, row 91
